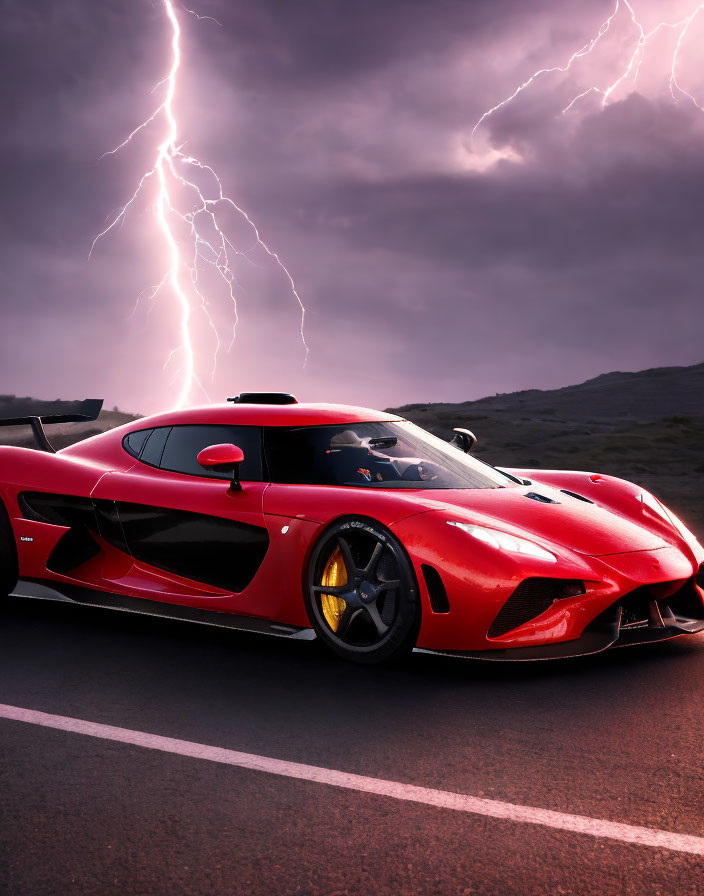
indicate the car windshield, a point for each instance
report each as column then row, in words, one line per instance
column 373, row 455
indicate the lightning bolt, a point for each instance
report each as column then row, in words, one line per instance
column 206, row 240
column 631, row 69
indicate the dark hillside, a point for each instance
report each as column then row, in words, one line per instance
column 646, row 426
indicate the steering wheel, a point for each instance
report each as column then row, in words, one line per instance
column 421, row 471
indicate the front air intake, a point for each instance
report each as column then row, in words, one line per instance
column 531, row 598
column 439, row 602
column 700, row 576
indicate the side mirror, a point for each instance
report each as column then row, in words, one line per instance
column 464, row 439
column 224, row 458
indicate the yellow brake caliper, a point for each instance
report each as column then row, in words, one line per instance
column 334, row 575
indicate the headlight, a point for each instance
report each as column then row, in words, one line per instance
column 652, row 503
column 502, row 541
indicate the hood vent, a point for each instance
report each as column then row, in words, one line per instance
column 575, row 495
column 541, row 499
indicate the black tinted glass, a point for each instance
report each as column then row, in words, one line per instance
column 185, row 442
column 135, row 440
column 151, row 453
column 372, row 455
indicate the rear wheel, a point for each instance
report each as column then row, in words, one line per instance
column 9, row 571
column 361, row 593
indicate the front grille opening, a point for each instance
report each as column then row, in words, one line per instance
column 636, row 609
column 687, row 602
column 439, row 602
column 531, row 598
column 645, row 612
column 644, row 608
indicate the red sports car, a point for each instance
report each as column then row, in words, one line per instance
column 351, row 524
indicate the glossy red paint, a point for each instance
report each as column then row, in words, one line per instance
column 220, row 455
column 612, row 541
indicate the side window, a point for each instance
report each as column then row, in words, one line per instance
column 134, row 441
column 154, row 446
column 184, row 442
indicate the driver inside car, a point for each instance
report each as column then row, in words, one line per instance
column 354, row 460
column 358, row 460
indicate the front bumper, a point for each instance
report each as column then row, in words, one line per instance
column 649, row 613
column 639, row 618
column 480, row 587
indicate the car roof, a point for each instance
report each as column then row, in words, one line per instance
column 267, row 415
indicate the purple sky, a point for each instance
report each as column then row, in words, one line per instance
column 433, row 267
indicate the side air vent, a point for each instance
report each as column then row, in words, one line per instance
column 436, row 589
column 264, row 398
column 59, row 510
column 73, row 548
column 566, row 491
column 531, row 598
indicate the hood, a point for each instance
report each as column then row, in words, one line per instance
column 569, row 522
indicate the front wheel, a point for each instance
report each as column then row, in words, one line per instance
column 361, row 593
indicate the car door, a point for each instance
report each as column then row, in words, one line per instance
column 175, row 517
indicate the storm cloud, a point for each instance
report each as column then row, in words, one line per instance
column 433, row 265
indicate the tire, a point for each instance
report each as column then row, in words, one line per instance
column 9, row 571
column 361, row 593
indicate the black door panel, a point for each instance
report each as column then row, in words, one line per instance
column 216, row 551
column 213, row 550
column 192, row 526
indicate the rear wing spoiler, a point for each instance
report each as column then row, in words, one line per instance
column 87, row 410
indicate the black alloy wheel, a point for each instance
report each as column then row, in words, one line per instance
column 361, row 593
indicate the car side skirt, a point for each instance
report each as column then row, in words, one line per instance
column 111, row 601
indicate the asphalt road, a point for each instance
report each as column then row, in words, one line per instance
column 618, row 737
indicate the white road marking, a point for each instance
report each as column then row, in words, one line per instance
column 443, row 799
